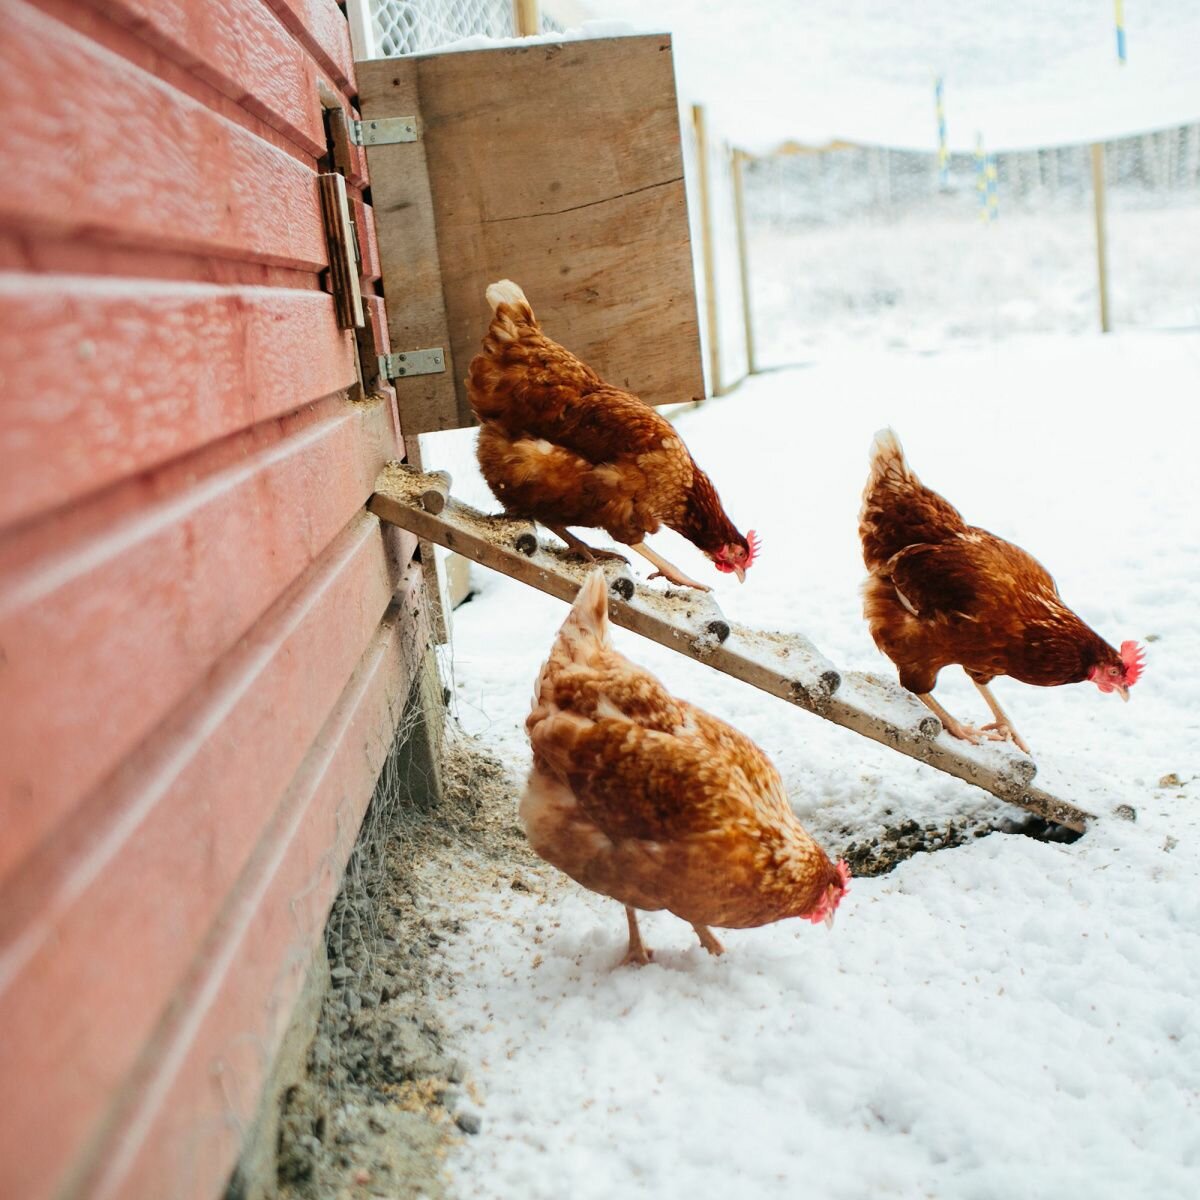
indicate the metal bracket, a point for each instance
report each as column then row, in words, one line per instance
column 384, row 132
column 413, row 362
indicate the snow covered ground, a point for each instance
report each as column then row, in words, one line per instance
column 1006, row 1018
column 938, row 276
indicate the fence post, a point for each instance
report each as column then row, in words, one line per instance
column 527, row 18
column 1101, row 232
column 709, row 250
column 739, row 216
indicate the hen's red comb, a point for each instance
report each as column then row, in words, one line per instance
column 754, row 542
column 843, row 871
column 1133, row 657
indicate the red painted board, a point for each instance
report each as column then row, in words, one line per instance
column 106, row 629
column 320, row 25
column 181, row 1136
column 242, row 49
column 105, row 378
column 110, row 151
column 368, row 244
column 90, row 961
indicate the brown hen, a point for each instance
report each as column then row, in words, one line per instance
column 645, row 798
column 941, row 591
column 560, row 446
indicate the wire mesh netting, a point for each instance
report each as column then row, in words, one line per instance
column 870, row 242
column 410, row 26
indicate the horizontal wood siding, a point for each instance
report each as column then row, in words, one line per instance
column 205, row 640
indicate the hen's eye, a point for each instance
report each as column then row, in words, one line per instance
column 1113, row 671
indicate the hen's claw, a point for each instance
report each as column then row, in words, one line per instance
column 680, row 579
column 580, row 547
column 637, row 955
column 707, row 940
column 963, row 731
column 1002, row 731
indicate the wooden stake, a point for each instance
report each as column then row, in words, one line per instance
column 709, row 250
column 527, row 18
column 739, row 216
column 1101, row 232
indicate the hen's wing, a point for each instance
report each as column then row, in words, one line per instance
column 663, row 785
column 969, row 575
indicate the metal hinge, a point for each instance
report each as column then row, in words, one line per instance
column 384, row 132
column 413, row 362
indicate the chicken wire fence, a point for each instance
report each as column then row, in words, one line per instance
column 410, row 26
column 871, row 242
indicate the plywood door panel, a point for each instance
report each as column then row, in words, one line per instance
column 558, row 166
column 104, row 378
column 182, row 1140
column 242, row 49
column 90, row 959
column 104, row 631
column 138, row 161
column 407, row 234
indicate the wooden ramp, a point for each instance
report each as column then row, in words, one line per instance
column 785, row 665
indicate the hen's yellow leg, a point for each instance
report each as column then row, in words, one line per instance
column 590, row 553
column 637, row 954
column 666, row 570
column 953, row 726
column 1002, row 728
column 707, row 940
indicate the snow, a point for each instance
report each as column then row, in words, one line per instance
column 1006, row 1018
column 1026, row 73
column 582, row 33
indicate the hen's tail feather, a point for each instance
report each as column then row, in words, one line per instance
column 887, row 458
column 512, row 312
column 898, row 510
column 583, row 633
column 587, row 623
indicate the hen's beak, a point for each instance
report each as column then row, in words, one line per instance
column 1123, row 692
column 829, row 919
column 740, row 572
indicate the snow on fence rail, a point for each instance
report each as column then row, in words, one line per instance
column 412, row 26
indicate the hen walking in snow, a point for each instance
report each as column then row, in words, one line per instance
column 645, row 798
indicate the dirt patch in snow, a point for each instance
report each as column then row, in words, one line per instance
column 385, row 1100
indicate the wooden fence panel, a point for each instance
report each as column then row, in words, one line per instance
column 259, row 963
column 155, row 854
column 128, row 157
column 242, row 50
column 125, row 624
column 106, row 378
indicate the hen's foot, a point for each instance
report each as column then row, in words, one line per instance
column 667, row 570
column 586, row 552
column 952, row 725
column 637, row 955
column 1001, row 727
column 963, row 731
column 707, row 940
column 1002, row 731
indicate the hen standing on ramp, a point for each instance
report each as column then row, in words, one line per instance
column 647, row 799
column 941, row 591
column 560, row 446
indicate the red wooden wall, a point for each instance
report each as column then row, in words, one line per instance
column 205, row 640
